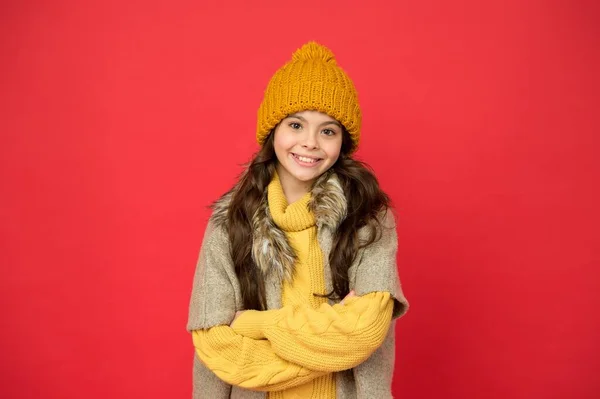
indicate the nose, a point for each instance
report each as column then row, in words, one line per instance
column 310, row 141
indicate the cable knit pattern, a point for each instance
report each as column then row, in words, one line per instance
column 247, row 363
column 300, row 228
column 298, row 348
column 307, row 331
column 319, row 339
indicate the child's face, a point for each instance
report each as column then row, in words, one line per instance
column 307, row 144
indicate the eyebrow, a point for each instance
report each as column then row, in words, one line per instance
column 331, row 122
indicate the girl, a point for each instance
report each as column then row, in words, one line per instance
column 296, row 289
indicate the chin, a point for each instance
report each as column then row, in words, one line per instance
column 301, row 175
column 307, row 178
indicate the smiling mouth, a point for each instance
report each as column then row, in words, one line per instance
column 307, row 160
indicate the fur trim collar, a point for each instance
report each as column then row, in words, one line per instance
column 271, row 250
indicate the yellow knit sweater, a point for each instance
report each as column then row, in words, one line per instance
column 308, row 279
column 293, row 352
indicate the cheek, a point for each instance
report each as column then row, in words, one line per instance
column 333, row 149
column 282, row 141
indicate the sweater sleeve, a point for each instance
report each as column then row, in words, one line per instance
column 330, row 338
column 248, row 363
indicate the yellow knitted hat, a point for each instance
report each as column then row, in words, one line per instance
column 311, row 80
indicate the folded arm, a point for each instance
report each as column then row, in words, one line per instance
column 327, row 339
column 248, row 363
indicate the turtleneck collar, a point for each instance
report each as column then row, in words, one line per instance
column 289, row 217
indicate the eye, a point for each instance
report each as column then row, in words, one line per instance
column 295, row 125
column 328, row 132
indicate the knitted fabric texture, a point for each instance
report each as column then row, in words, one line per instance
column 311, row 80
column 300, row 227
column 276, row 349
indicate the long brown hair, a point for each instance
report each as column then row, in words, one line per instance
column 365, row 200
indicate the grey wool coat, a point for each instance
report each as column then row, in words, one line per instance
column 216, row 292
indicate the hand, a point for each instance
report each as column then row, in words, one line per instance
column 350, row 295
column 237, row 314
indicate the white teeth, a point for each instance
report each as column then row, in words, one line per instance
column 304, row 159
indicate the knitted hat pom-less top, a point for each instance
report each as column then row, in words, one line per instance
column 311, row 80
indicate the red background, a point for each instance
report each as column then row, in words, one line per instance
column 121, row 121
